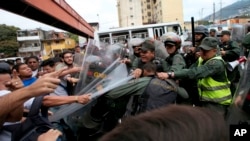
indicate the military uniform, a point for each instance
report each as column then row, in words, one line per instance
column 176, row 62
column 148, row 46
column 232, row 50
column 212, row 84
column 161, row 64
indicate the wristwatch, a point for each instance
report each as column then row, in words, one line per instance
column 170, row 74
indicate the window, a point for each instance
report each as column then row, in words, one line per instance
column 149, row 20
column 131, row 16
column 131, row 8
column 132, row 23
column 148, row 6
column 130, row 0
column 149, row 13
column 148, row 0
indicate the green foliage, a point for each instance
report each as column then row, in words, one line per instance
column 74, row 37
column 8, row 40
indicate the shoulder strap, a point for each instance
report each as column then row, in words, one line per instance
column 142, row 99
column 36, row 105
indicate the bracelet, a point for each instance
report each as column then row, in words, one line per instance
column 76, row 99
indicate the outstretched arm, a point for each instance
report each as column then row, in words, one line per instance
column 52, row 100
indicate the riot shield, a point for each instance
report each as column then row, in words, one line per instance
column 238, row 32
column 239, row 110
column 101, row 72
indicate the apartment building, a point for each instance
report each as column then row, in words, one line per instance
column 30, row 42
column 141, row 12
column 43, row 43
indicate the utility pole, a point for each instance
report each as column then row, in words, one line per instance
column 213, row 13
column 220, row 11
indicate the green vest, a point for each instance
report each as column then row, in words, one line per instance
column 214, row 91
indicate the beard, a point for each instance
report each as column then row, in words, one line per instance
column 68, row 64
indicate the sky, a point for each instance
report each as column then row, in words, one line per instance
column 105, row 12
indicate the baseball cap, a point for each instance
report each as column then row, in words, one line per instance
column 147, row 46
column 225, row 32
column 209, row 43
column 212, row 30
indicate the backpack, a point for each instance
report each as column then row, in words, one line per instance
column 34, row 125
column 164, row 93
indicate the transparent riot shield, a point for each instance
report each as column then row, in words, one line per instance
column 238, row 32
column 239, row 110
column 101, row 72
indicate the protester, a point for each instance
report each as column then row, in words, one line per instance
column 171, row 123
column 16, row 99
column 33, row 63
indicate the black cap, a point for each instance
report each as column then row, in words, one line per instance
column 146, row 45
column 225, row 32
column 212, row 30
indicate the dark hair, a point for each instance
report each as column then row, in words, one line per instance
column 150, row 67
column 17, row 66
column 31, row 57
column 18, row 59
column 10, row 62
column 66, row 52
column 57, row 59
column 49, row 62
column 171, row 123
column 4, row 68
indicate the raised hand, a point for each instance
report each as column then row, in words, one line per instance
column 15, row 83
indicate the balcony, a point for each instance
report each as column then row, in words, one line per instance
column 29, row 49
column 28, row 38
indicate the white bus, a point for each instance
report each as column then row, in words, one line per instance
column 155, row 31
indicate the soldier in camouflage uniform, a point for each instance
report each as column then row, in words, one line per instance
column 210, row 71
column 230, row 51
column 147, row 54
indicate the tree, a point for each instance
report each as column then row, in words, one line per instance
column 74, row 37
column 8, row 40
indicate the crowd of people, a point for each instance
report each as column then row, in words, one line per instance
column 180, row 91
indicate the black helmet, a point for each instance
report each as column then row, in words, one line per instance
column 201, row 29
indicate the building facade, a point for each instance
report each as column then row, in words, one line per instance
column 141, row 12
column 43, row 44
column 30, row 42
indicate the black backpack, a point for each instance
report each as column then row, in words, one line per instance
column 163, row 94
column 36, row 123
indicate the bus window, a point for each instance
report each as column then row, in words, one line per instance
column 139, row 33
column 158, row 32
column 175, row 28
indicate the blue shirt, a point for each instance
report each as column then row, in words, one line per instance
column 29, row 81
